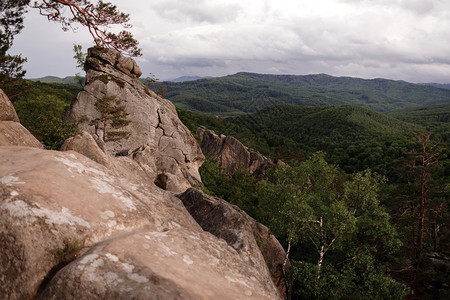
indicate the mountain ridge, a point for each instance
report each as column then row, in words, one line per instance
column 247, row 92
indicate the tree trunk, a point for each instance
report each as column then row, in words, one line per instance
column 422, row 206
column 435, row 236
column 319, row 263
column 105, row 123
column 286, row 257
column 286, row 282
column 413, row 247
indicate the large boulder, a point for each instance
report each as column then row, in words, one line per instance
column 14, row 134
column 85, row 144
column 250, row 239
column 154, row 125
column 171, row 264
column 7, row 111
column 231, row 153
column 126, row 237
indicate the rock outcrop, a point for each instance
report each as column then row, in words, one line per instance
column 249, row 238
column 12, row 133
column 154, row 122
column 231, row 153
column 7, row 111
column 85, row 144
column 137, row 239
column 87, row 224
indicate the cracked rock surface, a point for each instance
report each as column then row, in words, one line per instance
column 154, row 121
column 139, row 242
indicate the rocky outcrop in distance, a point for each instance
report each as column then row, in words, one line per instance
column 168, row 148
column 232, row 154
column 85, row 224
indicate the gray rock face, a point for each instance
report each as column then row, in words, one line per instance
column 139, row 242
column 14, row 134
column 154, row 122
column 240, row 231
column 7, row 111
column 231, row 153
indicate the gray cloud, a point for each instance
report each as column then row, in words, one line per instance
column 196, row 11
column 396, row 39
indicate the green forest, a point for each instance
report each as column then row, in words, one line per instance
column 360, row 213
column 346, row 204
column 248, row 92
column 357, row 171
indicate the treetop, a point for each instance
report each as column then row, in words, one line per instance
column 97, row 18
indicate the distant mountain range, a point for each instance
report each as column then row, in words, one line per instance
column 71, row 79
column 248, row 92
column 54, row 79
column 189, row 78
column 437, row 85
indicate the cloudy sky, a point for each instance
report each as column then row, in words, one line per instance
column 397, row 39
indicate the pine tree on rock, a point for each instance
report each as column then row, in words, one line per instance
column 113, row 115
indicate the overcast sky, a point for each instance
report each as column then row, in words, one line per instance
column 396, row 39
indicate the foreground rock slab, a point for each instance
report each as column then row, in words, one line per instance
column 172, row 264
column 138, row 241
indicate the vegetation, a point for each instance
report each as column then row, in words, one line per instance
column 69, row 252
column 305, row 130
column 11, row 23
column 42, row 109
column 72, row 80
column 112, row 116
column 400, row 221
column 434, row 118
column 350, row 215
column 98, row 18
column 248, row 92
column 337, row 235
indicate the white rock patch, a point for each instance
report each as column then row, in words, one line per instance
column 104, row 186
column 19, row 208
column 112, row 257
column 187, row 260
column 78, row 167
column 138, row 278
column 112, row 279
column 10, row 180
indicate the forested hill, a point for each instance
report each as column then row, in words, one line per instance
column 339, row 124
column 435, row 118
column 70, row 80
column 248, row 92
column 354, row 137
